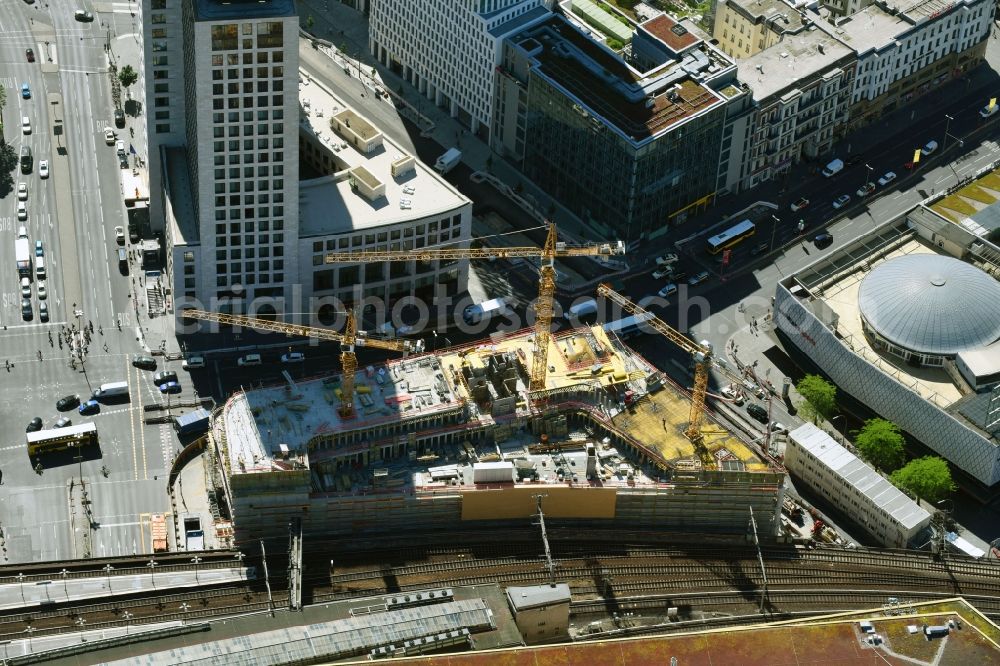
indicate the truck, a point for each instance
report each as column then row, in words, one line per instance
column 158, row 532
column 449, row 160
column 473, row 314
column 194, row 536
column 833, row 168
column 192, row 423
column 22, row 252
column 111, row 390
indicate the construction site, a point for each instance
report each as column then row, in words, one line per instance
column 439, row 439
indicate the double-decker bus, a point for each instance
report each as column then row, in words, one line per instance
column 61, row 439
column 629, row 326
column 731, row 236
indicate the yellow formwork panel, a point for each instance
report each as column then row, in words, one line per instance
column 519, row 502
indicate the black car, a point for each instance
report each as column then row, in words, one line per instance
column 758, row 412
column 123, row 161
column 853, row 160
column 144, row 362
column 760, row 248
column 823, row 239
column 67, row 403
column 161, row 378
column 35, row 425
column 119, row 118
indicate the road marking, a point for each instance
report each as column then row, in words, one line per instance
column 135, row 456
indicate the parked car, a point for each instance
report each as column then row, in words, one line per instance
column 25, row 125
column 62, row 422
column 668, row 289
column 929, row 148
column 842, row 201
column 119, row 118
column 661, row 273
column 89, row 407
column 25, row 287
column 67, row 403
column 170, row 387
column 123, row 160
column 42, row 291
column 666, row 259
column 39, row 249
column 119, row 235
column 293, row 357
column 823, row 239
column 43, row 311
column 988, row 110
column 887, row 178
column 143, row 362
column 193, row 362
column 83, row 16
column 800, row 204
column 866, row 189
column 164, row 377
column 27, row 313
column 779, row 427
column 22, row 211
column 109, row 136
column 249, row 359
column 34, row 425
column 698, row 278
column 757, row 412
column 733, row 394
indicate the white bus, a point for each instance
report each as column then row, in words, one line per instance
column 629, row 326
column 61, row 439
column 731, row 236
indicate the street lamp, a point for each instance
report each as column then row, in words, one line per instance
column 774, row 230
column 868, row 178
column 152, row 564
column 108, row 569
column 196, row 560
column 64, row 573
column 127, row 616
column 947, row 124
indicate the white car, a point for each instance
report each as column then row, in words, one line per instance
column 842, row 201
column 988, row 110
column 887, row 178
column 22, row 211
column 109, row 136
column 119, row 235
column 293, row 357
column 929, row 148
column 666, row 259
column 25, row 125
column 661, row 273
column 42, row 293
column 25, row 287
column 120, row 147
column 43, row 169
column 733, row 394
column 22, row 191
column 668, row 289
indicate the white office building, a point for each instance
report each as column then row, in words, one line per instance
column 448, row 49
column 906, row 49
column 856, row 489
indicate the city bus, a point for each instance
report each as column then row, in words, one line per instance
column 61, row 439
column 731, row 236
column 627, row 327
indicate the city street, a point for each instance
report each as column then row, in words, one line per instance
column 73, row 213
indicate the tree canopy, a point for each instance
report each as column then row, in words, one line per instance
column 881, row 443
column 928, row 478
column 127, row 76
column 820, row 397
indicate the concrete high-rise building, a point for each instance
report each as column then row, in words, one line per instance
column 222, row 81
column 448, row 49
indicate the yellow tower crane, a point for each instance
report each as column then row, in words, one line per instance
column 702, row 354
column 546, row 282
column 349, row 339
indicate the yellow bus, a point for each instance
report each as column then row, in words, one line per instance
column 731, row 236
column 61, row 439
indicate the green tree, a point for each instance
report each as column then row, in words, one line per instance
column 928, row 478
column 820, row 397
column 8, row 162
column 309, row 22
column 881, row 443
column 127, row 76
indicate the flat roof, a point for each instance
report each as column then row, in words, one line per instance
column 613, row 90
column 532, row 596
column 670, row 32
column 234, row 10
column 872, row 29
column 879, row 491
column 796, row 58
column 329, row 205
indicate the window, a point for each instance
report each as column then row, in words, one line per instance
column 224, row 37
column 157, row 19
column 269, row 35
column 162, row 128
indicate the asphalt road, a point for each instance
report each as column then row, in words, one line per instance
column 74, row 213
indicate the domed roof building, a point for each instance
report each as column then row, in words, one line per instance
column 926, row 307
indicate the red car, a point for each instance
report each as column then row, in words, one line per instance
column 30, row 55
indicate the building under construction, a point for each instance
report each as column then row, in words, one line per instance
column 451, row 438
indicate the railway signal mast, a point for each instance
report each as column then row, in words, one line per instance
column 552, row 249
column 349, row 339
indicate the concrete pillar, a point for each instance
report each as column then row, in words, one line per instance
column 474, row 127
column 453, row 109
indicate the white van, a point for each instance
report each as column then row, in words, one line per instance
column 249, row 359
column 581, row 309
column 833, row 168
column 193, row 362
column 40, row 267
column 111, row 390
